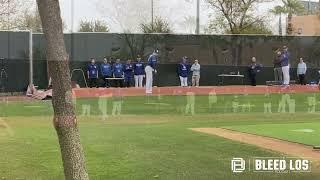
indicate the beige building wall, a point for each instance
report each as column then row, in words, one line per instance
column 308, row 25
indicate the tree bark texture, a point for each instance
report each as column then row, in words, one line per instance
column 64, row 121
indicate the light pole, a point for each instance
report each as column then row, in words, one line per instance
column 197, row 31
column 8, row 17
column 198, row 18
column 72, row 15
column 30, row 57
column 152, row 11
column 72, row 26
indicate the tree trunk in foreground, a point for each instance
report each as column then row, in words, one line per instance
column 64, row 121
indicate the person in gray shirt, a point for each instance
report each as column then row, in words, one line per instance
column 277, row 68
column 301, row 72
column 195, row 68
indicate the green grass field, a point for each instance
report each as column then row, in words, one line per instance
column 151, row 138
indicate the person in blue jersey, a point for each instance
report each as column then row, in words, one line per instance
column 253, row 70
column 92, row 72
column 128, row 73
column 149, row 69
column 118, row 73
column 183, row 72
column 285, row 66
column 139, row 73
column 106, row 72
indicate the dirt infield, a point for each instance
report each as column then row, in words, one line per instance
column 205, row 90
column 285, row 147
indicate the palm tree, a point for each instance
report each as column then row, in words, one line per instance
column 278, row 11
column 292, row 7
column 289, row 7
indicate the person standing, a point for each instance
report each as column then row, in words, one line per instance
column 195, row 68
column 138, row 72
column 149, row 69
column 285, row 66
column 277, row 68
column 301, row 72
column 254, row 68
column 92, row 72
column 183, row 72
column 106, row 72
column 118, row 73
column 128, row 73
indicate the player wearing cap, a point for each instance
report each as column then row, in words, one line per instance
column 118, row 73
column 195, row 68
column 92, row 72
column 139, row 73
column 149, row 69
column 183, row 71
column 106, row 72
column 128, row 73
column 285, row 66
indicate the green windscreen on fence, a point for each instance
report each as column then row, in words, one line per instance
column 14, row 62
column 216, row 53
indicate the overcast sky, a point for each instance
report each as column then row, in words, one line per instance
column 172, row 10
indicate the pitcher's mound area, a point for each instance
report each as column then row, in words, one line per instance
column 285, row 147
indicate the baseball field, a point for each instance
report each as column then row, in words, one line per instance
column 160, row 137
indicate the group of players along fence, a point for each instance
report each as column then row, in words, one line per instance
column 23, row 58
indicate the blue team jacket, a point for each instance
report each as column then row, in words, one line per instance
column 118, row 70
column 138, row 68
column 93, row 71
column 106, row 69
column 254, row 68
column 128, row 70
column 285, row 59
column 183, row 70
column 152, row 60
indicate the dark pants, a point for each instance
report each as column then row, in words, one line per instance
column 128, row 81
column 253, row 80
column 106, row 81
column 118, row 83
column 302, row 80
column 93, row 82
